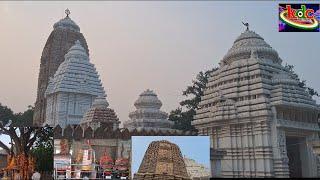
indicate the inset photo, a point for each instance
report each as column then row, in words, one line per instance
column 92, row 159
column 26, row 152
column 171, row 157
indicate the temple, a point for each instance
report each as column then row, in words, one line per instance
column 148, row 114
column 73, row 88
column 163, row 160
column 260, row 119
column 62, row 38
column 196, row 171
column 100, row 115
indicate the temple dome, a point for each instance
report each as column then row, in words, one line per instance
column 247, row 44
column 100, row 113
column 148, row 99
column 76, row 51
column 67, row 23
column 148, row 114
column 100, row 102
column 76, row 75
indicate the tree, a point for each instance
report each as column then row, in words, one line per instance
column 42, row 150
column 183, row 115
column 27, row 141
column 5, row 114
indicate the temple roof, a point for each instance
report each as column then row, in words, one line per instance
column 148, row 113
column 99, row 112
column 76, row 74
column 148, row 99
column 67, row 23
column 247, row 43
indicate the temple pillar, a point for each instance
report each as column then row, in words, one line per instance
column 278, row 141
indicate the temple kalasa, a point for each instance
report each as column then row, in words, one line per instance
column 260, row 120
column 163, row 160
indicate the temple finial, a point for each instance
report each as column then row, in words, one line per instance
column 67, row 11
column 246, row 24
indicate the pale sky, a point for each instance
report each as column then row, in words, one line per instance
column 140, row 45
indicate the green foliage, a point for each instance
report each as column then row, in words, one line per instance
column 18, row 119
column 44, row 139
column 25, row 118
column 44, row 158
column 182, row 116
column 42, row 149
column 182, row 120
column 6, row 114
column 35, row 140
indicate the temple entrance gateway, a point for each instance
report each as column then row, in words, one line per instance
column 293, row 153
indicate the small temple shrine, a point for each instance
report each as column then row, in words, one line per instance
column 100, row 115
column 148, row 114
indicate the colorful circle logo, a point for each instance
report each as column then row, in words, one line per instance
column 306, row 25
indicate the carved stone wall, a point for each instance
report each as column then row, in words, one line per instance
column 79, row 132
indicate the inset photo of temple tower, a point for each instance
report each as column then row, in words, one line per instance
column 168, row 157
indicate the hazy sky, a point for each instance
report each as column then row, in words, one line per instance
column 186, row 144
column 140, row 45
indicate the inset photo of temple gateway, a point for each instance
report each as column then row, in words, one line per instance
column 171, row 157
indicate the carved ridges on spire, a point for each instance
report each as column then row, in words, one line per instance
column 76, row 74
column 162, row 159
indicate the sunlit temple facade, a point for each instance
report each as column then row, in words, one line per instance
column 258, row 115
column 72, row 89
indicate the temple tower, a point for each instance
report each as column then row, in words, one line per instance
column 72, row 89
column 163, row 160
column 256, row 112
column 148, row 114
column 65, row 33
